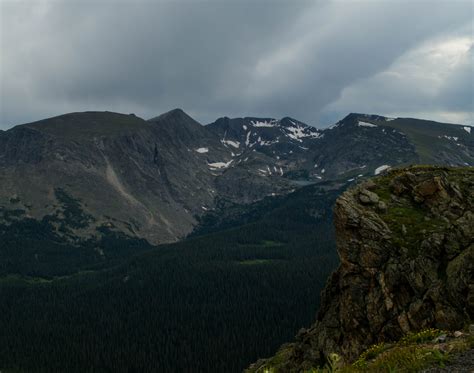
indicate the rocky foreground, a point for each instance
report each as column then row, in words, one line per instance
column 406, row 245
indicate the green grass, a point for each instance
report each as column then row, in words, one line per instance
column 408, row 219
column 407, row 359
column 410, row 227
column 272, row 365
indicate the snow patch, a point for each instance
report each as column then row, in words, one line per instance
column 247, row 140
column 235, row 144
column 366, row 124
column 202, row 150
column 299, row 132
column 382, row 168
column 257, row 123
column 467, row 129
column 217, row 165
column 266, row 143
column 452, row 138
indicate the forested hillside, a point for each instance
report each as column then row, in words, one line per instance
column 215, row 302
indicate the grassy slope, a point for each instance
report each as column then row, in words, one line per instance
column 425, row 135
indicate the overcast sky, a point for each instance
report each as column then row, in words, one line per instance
column 312, row 60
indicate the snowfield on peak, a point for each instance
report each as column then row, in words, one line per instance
column 299, row 132
column 366, row 124
column 272, row 123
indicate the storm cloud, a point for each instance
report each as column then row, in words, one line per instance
column 313, row 60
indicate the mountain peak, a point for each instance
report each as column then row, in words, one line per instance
column 175, row 115
column 176, row 124
column 80, row 124
column 288, row 121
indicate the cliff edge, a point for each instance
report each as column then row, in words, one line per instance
column 406, row 245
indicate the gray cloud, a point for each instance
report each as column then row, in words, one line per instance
column 434, row 80
column 212, row 58
column 457, row 90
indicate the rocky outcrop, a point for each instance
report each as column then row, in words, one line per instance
column 406, row 246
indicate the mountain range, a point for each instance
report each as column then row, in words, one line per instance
column 157, row 179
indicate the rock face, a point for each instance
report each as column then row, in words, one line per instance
column 123, row 171
column 406, row 245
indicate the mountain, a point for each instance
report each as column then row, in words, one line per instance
column 124, row 172
column 142, row 177
column 85, row 178
column 144, row 245
column 404, row 240
column 358, row 145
